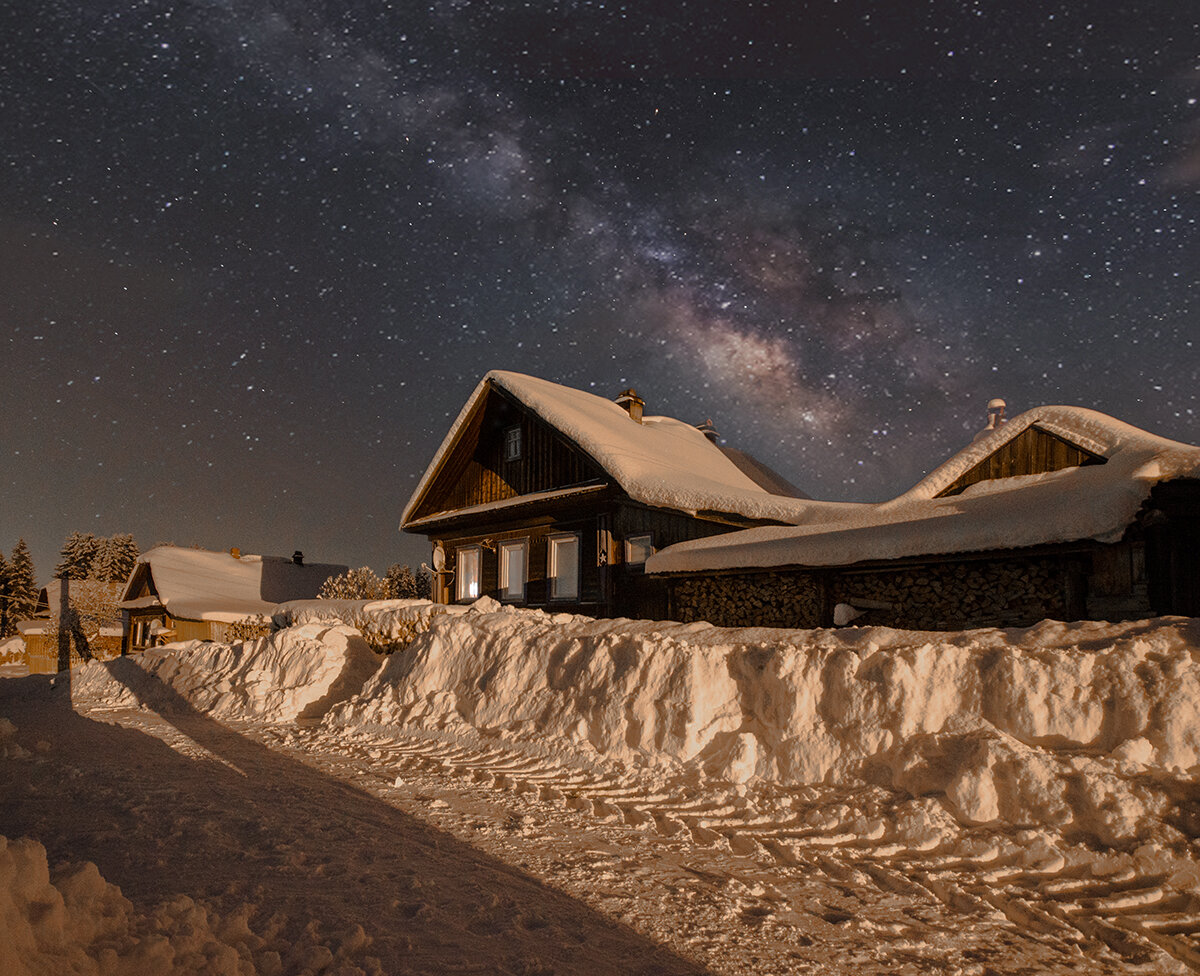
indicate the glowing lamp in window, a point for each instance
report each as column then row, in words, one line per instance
column 466, row 576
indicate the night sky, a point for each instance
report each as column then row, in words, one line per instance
column 255, row 255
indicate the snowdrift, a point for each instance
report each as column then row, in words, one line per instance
column 1050, row 725
column 387, row 618
column 283, row 677
column 83, row 925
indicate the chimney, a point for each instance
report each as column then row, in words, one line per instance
column 631, row 403
column 996, row 413
column 708, row 430
column 298, row 558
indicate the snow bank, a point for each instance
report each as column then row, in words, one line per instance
column 277, row 678
column 12, row 651
column 78, row 923
column 388, row 618
column 1046, row 725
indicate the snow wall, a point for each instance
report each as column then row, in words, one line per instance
column 279, row 678
column 1046, row 725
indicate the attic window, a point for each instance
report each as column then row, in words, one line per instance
column 512, row 444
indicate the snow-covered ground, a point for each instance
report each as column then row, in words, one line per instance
column 531, row 793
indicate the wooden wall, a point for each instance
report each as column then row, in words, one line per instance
column 1171, row 523
column 41, row 653
column 608, row 587
column 1033, row 451
column 476, row 473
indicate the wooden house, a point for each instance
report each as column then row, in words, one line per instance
column 545, row 496
column 1061, row 513
column 176, row 594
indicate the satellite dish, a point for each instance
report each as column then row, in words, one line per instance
column 439, row 558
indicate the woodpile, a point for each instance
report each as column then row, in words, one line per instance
column 959, row 595
column 951, row 595
column 753, row 600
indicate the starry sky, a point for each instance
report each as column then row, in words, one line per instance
column 255, row 254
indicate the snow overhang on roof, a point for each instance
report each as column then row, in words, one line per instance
column 1074, row 504
column 198, row 584
column 661, row 461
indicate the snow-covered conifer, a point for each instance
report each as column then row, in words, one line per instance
column 115, row 558
column 23, row 587
column 7, row 621
column 77, row 555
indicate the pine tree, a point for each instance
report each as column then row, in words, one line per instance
column 22, row 583
column 78, row 554
column 115, row 558
column 403, row 584
column 7, row 620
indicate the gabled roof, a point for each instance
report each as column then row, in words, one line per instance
column 661, row 461
column 1095, row 502
column 198, row 584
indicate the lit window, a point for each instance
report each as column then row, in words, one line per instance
column 564, row 566
column 512, row 444
column 467, row 574
column 639, row 548
column 512, row 570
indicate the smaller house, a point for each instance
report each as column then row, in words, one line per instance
column 178, row 594
column 1061, row 513
column 98, row 632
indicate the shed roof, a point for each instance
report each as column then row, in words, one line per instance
column 661, row 461
column 198, row 584
column 1079, row 503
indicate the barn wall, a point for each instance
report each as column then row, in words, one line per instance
column 1033, row 451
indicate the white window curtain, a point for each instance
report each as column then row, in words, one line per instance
column 564, row 567
column 513, row 573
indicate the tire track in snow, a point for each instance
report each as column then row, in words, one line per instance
column 1069, row 903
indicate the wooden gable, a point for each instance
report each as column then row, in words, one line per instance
column 141, row 584
column 1033, row 451
column 475, row 470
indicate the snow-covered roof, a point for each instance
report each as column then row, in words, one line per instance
column 198, row 584
column 661, row 461
column 1095, row 502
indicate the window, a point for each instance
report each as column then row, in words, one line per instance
column 512, row 444
column 638, row 548
column 466, row 576
column 513, row 563
column 563, row 559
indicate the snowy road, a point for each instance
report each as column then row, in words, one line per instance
column 425, row 852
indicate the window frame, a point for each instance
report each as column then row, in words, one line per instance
column 630, row 539
column 513, row 443
column 459, row 578
column 502, row 550
column 552, row 564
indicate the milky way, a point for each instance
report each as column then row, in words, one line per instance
column 255, row 255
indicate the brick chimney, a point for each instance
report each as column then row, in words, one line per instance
column 631, row 403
